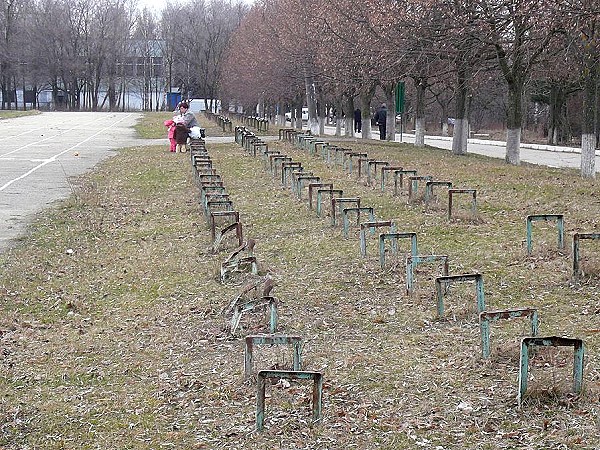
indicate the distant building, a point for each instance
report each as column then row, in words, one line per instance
column 140, row 83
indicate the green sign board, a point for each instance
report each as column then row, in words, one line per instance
column 400, row 88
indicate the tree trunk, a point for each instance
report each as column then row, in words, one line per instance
column 298, row 116
column 280, row 116
column 420, row 85
column 366, row 96
column 588, row 136
column 311, row 103
column 514, row 120
column 348, row 113
column 461, row 121
column 390, row 122
column 339, row 107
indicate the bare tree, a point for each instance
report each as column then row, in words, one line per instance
column 12, row 13
column 520, row 31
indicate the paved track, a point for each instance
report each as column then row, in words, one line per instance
column 38, row 155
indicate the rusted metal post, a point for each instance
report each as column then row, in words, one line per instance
column 429, row 185
column 268, row 156
column 393, row 237
column 317, row 395
column 318, row 144
column 339, row 156
column 312, row 149
column 332, row 194
column 346, row 211
column 560, row 225
column 413, row 261
column 413, row 184
column 294, row 178
column 553, row 341
column 300, row 183
column 287, row 168
column 446, row 280
column 350, row 156
column 277, row 161
column 237, row 226
column 374, row 164
column 384, row 170
column 338, row 202
column 202, row 178
column 250, row 305
column 206, row 190
column 311, row 189
column 473, row 193
column 399, row 178
column 371, row 226
column 576, row 238
column 213, row 197
column 234, row 215
column 486, row 317
column 363, row 164
column 272, row 339
column 328, row 149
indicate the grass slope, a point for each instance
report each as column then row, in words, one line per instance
column 113, row 335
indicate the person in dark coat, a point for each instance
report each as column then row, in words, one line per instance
column 357, row 121
column 380, row 119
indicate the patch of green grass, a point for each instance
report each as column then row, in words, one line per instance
column 7, row 114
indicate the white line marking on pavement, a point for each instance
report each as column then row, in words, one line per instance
column 54, row 157
column 48, row 138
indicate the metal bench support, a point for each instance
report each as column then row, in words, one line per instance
column 486, row 317
column 560, row 225
column 317, row 394
column 271, row 339
column 441, row 282
column 552, row 341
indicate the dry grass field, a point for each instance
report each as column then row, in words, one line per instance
column 113, row 332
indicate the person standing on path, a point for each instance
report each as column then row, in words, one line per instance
column 357, row 121
column 381, row 119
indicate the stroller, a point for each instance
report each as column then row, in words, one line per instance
column 196, row 139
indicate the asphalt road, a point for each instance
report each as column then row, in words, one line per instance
column 545, row 155
column 39, row 154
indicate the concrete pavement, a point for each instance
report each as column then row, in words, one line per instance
column 39, row 153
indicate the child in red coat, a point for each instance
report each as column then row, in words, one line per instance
column 170, row 124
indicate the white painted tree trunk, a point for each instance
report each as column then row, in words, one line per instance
column 348, row 126
column 280, row 119
column 366, row 129
column 513, row 146
column 338, row 126
column 311, row 103
column 420, row 86
column 460, row 136
column 588, row 155
column 366, row 96
column 420, row 132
